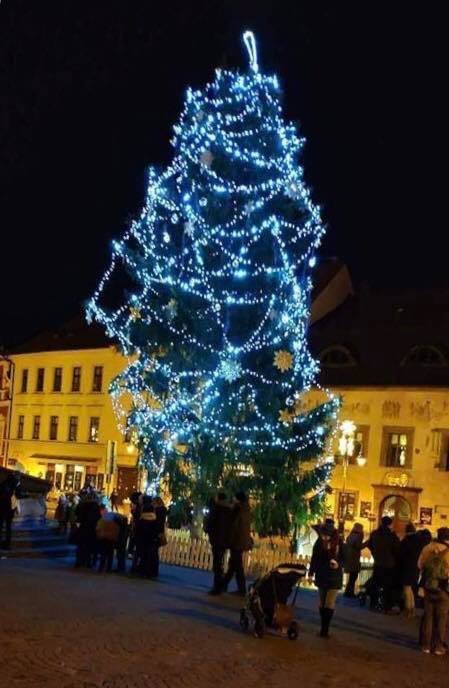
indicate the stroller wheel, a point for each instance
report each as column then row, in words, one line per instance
column 244, row 621
column 292, row 632
column 259, row 630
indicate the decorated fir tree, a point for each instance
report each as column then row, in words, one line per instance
column 215, row 316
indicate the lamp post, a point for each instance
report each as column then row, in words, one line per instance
column 346, row 447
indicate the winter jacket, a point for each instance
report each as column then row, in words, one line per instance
column 410, row 548
column 6, row 495
column 429, row 550
column 218, row 523
column 322, row 554
column 161, row 518
column 240, row 528
column 147, row 530
column 352, row 550
column 384, row 546
column 88, row 513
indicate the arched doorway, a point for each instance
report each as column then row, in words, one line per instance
column 399, row 509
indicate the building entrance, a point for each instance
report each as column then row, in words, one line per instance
column 399, row 509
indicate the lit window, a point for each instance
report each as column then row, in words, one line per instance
column 94, row 427
column 397, row 451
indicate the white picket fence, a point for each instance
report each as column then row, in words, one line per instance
column 182, row 550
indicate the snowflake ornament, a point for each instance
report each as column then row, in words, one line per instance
column 285, row 416
column 283, row 360
column 230, row 369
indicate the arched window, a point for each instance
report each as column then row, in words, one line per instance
column 425, row 355
column 337, row 356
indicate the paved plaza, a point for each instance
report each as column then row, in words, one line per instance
column 64, row 628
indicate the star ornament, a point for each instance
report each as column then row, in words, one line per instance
column 285, row 416
column 135, row 313
column 283, row 360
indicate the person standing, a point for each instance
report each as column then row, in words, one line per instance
column 216, row 526
column 61, row 514
column 384, row 546
column 87, row 514
column 161, row 518
column 409, row 550
column 107, row 530
column 327, row 570
column 434, row 566
column 352, row 551
column 239, row 542
column 114, row 500
column 147, row 541
column 8, row 506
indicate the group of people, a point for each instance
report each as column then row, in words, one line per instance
column 228, row 525
column 100, row 534
column 404, row 570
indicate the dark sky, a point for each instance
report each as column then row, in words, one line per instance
column 89, row 90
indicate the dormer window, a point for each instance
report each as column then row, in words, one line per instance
column 426, row 355
column 337, row 356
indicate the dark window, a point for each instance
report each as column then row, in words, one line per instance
column 100, row 481
column 94, row 427
column 337, row 357
column 40, row 380
column 97, row 382
column 20, row 425
column 57, row 380
column 425, row 355
column 36, row 427
column 73, row 428
column 76, row 379
column 24, row 386
column 54, row 427
column 397, row 447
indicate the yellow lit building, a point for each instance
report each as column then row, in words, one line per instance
column 63, row 426
column 387, row 354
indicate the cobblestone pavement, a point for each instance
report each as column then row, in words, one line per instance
column 69, row 629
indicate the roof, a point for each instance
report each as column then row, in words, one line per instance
column 73, row 335
column 379, row 329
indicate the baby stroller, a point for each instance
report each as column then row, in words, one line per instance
column 267, row 601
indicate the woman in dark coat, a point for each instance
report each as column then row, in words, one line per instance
column 147, row 541
column 326, row 567
column 351, row 557
column 239, row 542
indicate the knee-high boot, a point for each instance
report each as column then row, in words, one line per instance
column 326, row 617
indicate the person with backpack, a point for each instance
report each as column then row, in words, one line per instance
column 434, row 566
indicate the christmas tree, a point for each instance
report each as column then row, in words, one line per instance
column 215, row 315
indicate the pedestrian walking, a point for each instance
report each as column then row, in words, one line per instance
column 8, row 508
column 240, row 541
column 147, row 541
column 410, row 548
column 326, row 568
column 216, row 526
column 107, row 530
column 434, row 566
column 384, row 546
column 114, row 500
column 352, row 551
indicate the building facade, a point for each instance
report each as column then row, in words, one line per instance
column 63, row 426
column 387, row 355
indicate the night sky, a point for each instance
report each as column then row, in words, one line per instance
column 89, row 91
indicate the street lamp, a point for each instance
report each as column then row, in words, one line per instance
column 346, row 447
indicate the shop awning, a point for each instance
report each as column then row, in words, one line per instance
column 66, row 459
